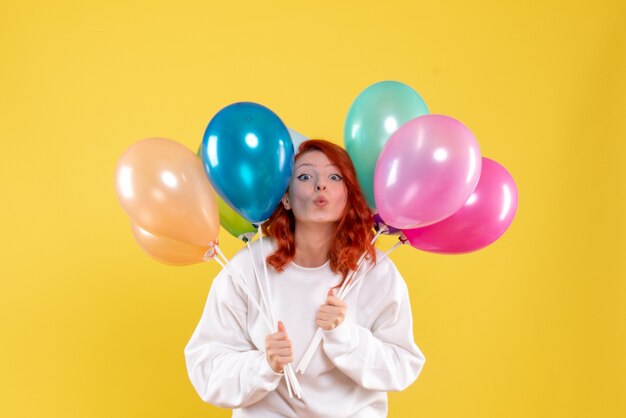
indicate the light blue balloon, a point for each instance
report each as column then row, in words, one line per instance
column 376, row 113
column 297, row 138
column 248, row 155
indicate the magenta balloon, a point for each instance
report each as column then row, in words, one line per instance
column 483, row 219
column 426, row 171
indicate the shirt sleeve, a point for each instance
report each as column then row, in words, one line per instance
column 224, row 366
column 383, row 357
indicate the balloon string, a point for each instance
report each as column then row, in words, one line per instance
column 290, row 375
column 267, row 284
column 220, row 254
column 351, row 273
column 258, row 279
column 255, row 303
column 317, row 338
column 242, row 285
column 385, row 255
column 257, row 276
column 237, row 278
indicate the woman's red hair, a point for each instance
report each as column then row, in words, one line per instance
column 354, row 230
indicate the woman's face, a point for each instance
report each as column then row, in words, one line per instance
column 317, row 192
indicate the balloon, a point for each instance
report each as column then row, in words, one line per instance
column 296, row 139
column 485, row 216
column 170, row 251
column 236, row 226
column 231, row 220
column 380, row 223
column 426, row 171
column 248, row 156
column 162, row 187
column 376, row 113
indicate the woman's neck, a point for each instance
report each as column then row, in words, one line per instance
column 313, row 244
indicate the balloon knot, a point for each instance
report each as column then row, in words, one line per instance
column 210, row 253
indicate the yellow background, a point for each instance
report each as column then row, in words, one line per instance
column 533, row 326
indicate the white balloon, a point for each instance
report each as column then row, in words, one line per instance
column 297, row 139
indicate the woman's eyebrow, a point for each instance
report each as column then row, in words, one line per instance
column 304, row 164
column 313, row 165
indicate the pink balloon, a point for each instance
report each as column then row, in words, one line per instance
column 426, row 171
column 483, row 219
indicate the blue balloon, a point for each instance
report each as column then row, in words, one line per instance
column 248, row 156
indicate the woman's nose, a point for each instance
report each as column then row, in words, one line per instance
column 319, row 187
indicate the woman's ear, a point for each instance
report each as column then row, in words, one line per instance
column 285, row 201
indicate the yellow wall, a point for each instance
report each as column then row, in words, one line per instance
column 533, row 326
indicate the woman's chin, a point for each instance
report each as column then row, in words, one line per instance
column 319, row 220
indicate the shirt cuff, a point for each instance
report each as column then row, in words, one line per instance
column 268, row 374
column 339, row 335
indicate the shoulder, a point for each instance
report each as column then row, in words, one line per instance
column 257, row 248
column 246, row 263
column 252, row 257
column 383, row 267
column 384, row 275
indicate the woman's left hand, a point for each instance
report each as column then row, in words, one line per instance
column 332, row 313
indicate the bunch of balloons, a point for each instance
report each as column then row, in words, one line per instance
column 423, row 175
column 247, row 156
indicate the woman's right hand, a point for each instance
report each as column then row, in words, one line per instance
column 278, row 349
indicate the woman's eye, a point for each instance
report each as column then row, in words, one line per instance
column 303, row 177
column 336, row 177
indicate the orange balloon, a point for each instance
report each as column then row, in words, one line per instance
column 162, row 186
column 170, row 251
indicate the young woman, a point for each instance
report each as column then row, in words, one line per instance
column 319, row 231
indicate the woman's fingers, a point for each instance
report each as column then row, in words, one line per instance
column 280, row 352
column 332, row 313
column 278, row 348
column 328, row 316
column 335, row 301
column 331, row 310
column 278, row 344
